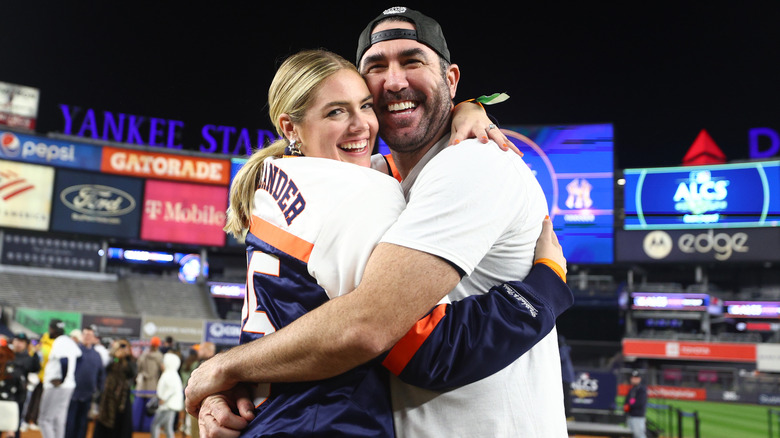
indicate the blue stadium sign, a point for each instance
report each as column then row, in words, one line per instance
column 719, row 196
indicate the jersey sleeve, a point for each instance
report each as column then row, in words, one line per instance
column 470, row 339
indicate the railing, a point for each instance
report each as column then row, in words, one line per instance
column 770, row 414
column 669, row 419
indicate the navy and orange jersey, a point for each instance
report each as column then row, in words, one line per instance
column 355, row 403
column 315, row 222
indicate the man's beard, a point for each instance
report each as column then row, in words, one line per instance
column 436, row 114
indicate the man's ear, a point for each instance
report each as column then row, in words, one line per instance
column 453, row 77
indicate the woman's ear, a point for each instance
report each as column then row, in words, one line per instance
column 288, row 127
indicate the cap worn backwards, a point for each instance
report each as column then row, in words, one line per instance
column 427, row 31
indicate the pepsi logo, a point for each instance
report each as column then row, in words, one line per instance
column 10, row 146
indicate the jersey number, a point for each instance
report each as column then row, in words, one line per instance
column 257, row 320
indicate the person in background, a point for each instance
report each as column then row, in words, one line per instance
column 206, row 350
column 27, row 363
column 115, row 415
column 635, row 405
column 75, row 334
column 12, row 388
column 150, row 367
column 34, row 407
column 185, row 371
column 167, row 345
column 59, row 381
column 567, row 374
column 90, row 378
column 170, row 393
column 101, row 349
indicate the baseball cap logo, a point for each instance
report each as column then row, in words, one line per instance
column 9, row 144
column 394, row 10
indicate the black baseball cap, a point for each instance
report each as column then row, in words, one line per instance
column 427, row 31
column 635, row 373
column 22, row 336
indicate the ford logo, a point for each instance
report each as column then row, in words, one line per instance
column 98, row 200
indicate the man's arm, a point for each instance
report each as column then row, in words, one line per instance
column 399, row 286
column 497, row 328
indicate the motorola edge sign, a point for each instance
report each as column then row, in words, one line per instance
column 722, row 245
column 658, row 244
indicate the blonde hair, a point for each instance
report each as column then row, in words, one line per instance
column 291, row 92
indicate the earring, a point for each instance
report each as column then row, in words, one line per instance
column 294, row 149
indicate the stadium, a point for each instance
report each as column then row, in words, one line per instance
column 112, row 218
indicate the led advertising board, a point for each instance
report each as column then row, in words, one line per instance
column 46, row 250
column 740, row 195
column 184, row 213
column 42, row 150
column 752, row 309
column 25, row 195
column 227, row 290
column 174, row 167
column 19, row 106
column 574, row 165
column 97, row 204
column 697, row 245
column 669, row 301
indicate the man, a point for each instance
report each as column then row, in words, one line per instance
column 26, row 363
column 635, row 405
column 59, row 381
column 90, row 377
column 472, row 214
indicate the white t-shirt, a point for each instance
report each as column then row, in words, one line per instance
column 481, row 209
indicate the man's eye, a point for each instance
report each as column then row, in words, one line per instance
column 373, row 68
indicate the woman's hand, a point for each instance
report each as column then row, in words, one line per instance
column 547, row 246
column 469, row 120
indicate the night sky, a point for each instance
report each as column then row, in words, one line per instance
column 660, row 73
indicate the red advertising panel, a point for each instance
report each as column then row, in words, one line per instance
column 25, row 195
column 668, row 392
column 688, row 350
column 165, row 166
column 184, row 213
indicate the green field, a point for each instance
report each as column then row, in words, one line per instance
column 717, row 420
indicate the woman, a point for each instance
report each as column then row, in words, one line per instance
column 312, row 224
column 115, row 412
column 189, row 364
column 170, row 394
